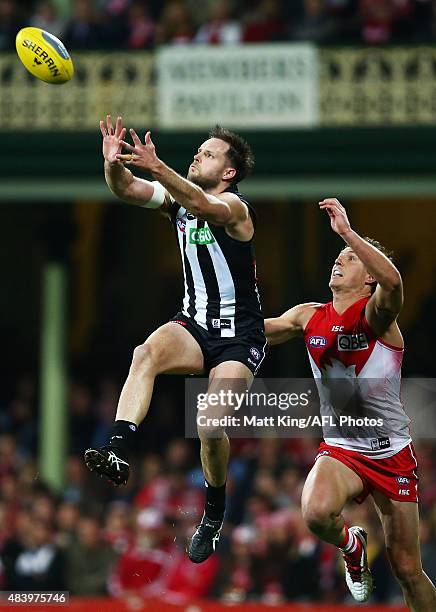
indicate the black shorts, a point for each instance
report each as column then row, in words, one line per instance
column 249, row 348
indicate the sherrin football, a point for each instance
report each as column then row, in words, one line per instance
column 44, row 55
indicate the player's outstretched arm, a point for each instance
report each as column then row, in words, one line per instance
column 386, row 302
column 120, row 180
column 290, row 324
column 225, row 210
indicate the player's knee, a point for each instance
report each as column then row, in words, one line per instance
column 146, row 357
column 318, row 515
column 407, row 570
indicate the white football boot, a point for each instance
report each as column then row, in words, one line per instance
column 358, row 576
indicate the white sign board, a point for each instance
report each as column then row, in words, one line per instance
column 246, row 86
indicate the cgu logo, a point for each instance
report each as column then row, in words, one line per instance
column 317, row 341
column 201, row 236
column 352, row 342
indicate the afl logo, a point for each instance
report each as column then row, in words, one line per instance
column 317, row 341
column 181, row 224
column 255, row 353
column 402, row 480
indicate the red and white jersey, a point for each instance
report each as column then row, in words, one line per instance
column 344, row 347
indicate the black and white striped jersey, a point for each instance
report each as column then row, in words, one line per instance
column 221, row 293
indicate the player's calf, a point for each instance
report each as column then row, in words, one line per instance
column 419, row 591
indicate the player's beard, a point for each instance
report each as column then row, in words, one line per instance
column 203, row 182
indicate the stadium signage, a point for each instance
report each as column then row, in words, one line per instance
column 252, row 86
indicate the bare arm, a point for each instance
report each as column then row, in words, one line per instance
column 385, row 304
column 226, row 210
column 290, row 324
column 125, row 185
column 120, row 180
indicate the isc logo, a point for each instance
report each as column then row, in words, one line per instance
column 352, row 342
column 317, row 341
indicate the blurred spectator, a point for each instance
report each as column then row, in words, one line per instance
column 220, row 26
column 154, row 566
column 84, row 30
column 33, row 562
column 106, row 408
column 117, row 527
column 316, row 24
column 46, row 18
column 266, row 23
column 171, row 494
column 8, row 450
column 82, row 419
column 67, row 516
column 381, row 19
column 140, row 26
column 89, row 560
column 176, row 24
column 10, row 23
column 266, row 553
column 76, row 478
column 146, row 559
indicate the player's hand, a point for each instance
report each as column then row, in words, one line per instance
column 112, row 138
column 338, row 215
column 141, row 155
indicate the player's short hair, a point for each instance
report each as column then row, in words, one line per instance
column 239, row 154
column 380, row 247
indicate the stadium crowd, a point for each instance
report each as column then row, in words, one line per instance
column 143, row 24
column 93, row 539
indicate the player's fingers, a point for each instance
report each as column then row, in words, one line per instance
column 147, row 139
column 103, row 129
column 331, row 202
column 123, row 133
column 110, row 127
column 127, row 146
column 135, row 137
column 126, row 159
column 118, row 126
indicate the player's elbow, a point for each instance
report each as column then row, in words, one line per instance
column 275, row 332
column 394, row 282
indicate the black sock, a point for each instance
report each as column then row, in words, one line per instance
column 215, row 502
column 122, row 435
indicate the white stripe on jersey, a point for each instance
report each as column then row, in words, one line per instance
column 186, row 297
column 199, row 284
column 226, row 287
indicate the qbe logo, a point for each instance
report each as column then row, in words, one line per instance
column 317, row 341
column 352, row 342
